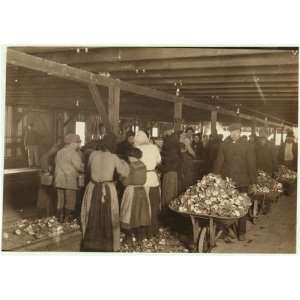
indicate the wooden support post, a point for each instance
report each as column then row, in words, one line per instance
column 71, row 118
column 14, row 132
column 274, row 135
column 114, row 108
column 54, row 122
column 97, row 98
column 177, row 116
column 213, row 123
column 266, row 128
column 282, row 131
column 253, row 128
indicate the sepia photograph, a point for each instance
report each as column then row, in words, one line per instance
column 150, row 149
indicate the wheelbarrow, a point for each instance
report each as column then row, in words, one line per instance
column 207, row 229
column 289, row 187
column 262, row 203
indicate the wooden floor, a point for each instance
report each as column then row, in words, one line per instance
column 274, row 233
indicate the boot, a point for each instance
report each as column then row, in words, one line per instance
column 60, row 215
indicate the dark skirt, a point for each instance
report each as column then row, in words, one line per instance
column 140, row 210
column 99, row 231
column 169, row 188
column 155, row 202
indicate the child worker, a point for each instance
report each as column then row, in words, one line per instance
column 135, row 213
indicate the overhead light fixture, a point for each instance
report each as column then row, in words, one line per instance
column 178, row 83
column 295, row 52
column 256, row 79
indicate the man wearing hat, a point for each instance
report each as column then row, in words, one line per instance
column 289, row 151
column 236, row 160
column 68, row 165
column 266, row 159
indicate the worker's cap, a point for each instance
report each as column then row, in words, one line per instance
column 235, row 126
column 72, row 138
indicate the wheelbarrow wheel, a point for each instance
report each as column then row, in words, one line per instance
column 253, row 211
column 203, row 241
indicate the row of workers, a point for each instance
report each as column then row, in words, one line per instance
column 141, row 201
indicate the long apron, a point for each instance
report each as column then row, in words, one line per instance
column 135, row 207
column 100, row 218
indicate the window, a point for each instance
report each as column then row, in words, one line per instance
column 155, row 132
column 80, row 130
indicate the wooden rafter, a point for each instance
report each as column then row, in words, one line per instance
column 94, row 55
column 71, row 73
column 200, row 63
column 208, row 72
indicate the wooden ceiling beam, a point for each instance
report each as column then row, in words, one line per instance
column 183, row 90
column 50, row 81
column 70, row 73
column 229, row 85
column 120, row 54
column 34, row 50
column 245, row 98
column 222, row 79
column 21, row 74
column 183, row 73
column 230, row 89
column 200, row 63
column 241, row 94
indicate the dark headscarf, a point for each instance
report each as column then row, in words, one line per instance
column 129, row 133
column 108, row 143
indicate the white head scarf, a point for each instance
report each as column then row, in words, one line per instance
column 141, row 138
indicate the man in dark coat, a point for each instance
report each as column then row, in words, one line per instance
column 266, row 159
column 197, row 146
column 171, row 162
column 236, row 160
column 288, row 152
column 212, row 151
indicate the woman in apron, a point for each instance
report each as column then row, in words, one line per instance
column 100, row 208
column 151, row 158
